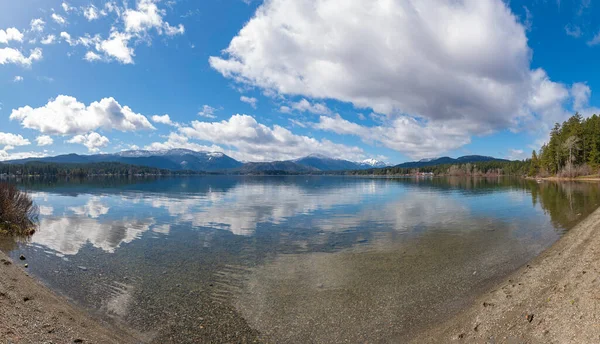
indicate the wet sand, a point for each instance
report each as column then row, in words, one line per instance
column 31, row 313
column 553, row 299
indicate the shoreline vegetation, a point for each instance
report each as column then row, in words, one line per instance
column 18, row 213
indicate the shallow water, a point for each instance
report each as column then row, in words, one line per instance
column 289, row 259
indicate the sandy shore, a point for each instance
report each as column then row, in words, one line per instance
column 31, row 313
column 554, row 299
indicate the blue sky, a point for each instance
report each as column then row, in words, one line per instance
column 393, row 80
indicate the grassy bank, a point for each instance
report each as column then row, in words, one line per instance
column 18, row 213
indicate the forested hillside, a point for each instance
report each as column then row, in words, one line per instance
column 573, row 149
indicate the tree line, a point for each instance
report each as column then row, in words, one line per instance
column 573, row 149
column 36, row 168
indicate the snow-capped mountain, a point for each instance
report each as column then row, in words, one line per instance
column 372, row 163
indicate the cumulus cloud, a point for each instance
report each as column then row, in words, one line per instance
column 248, row 140
column 44, row 140
column 12, row 140
column 10, row 55
column 516, row 154
column 58, row 19
column 117, row 47
column 18, row 78
column 37, row 25
column 306, row 106
column 148, row 16
column 164, row 119
column 11, row 34
column 4, row 155
column 207, row 111
column 65, row 115
column 132, row 26
column 93, row 141
column 249, row 100
column 48, row 39
column 91, row 56
column 403, row 134
column 66, row 7
column 175, row 140
column 91, row 13
column 440, row 62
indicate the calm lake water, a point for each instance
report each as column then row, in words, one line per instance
column 289, row 259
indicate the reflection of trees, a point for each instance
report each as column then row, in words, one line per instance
column 566, row 202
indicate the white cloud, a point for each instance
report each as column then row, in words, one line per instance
column 8, row 139
column 164, row 119
column 4, row 155
column 131, row 27
column 252, row 141
column 175, row 140
column 58, row 19
column 91, row 56
column 174, row 30
column 18, row 78
column 439, row 62
column 404, row 134
column 573, row 31
column 44, row 140
column 93, row 141
column 516, row 154
column 305, row 106
column 66, row 7
column 10, row 55
column 37, row 25
column 148, row 16
column 66, row 36
column 249, row 100
column 117, row 47
column 48, row 40
column 65, row 115
column 595, row 40
column 11, row 34
column 91, row 13
column 207, row 111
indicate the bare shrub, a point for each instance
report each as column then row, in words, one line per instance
column 572, row 171
column 18, row 213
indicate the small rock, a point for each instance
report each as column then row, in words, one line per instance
column 82, row 268
column 476, row 328
column 178, row 285
column 6, row 262
column 26, row 298
column 22, row 257
column 26, row 265
column 461, row 336
column 488, row 304
column 529, row 317
column 77, row 340
column 474, row 273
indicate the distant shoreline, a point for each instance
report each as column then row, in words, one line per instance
column 553, row 299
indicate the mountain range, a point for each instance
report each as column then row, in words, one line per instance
column 185, row 159
column 447, row 160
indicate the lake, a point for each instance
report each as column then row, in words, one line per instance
column 289, row 259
